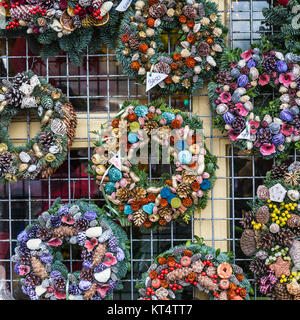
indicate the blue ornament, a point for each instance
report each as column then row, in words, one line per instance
column 148, row 208
column 110, row 188
column 235, row 73
column 90, row 215
column 132, row 137
column 286, row 115
column 294, row 110
column 205, row 185
column 251, row 63
column 228, row 117
column 281, row 66
column 181, row 145
column 127, row 209
column 235, row 97
column 169, row 116
column 114, row 174
column 242, row 80
column 278, row 139
column 165, row 192
column 141, row 111
column 185, row 157
column 274, row 127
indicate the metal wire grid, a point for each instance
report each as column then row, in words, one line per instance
column 109, row 86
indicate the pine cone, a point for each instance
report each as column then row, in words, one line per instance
column 178, row 274
column 183, row 190
column 280, row 292
column 264, row 135
column 81, row 224
column 134, row 42
column 139, row 217
column 64, row 231
column 46, row 139
column 59, row 283
column 6, row 159
column 285, row 237
column 162, row 67
column 203, row 49
column 265, row 241
column 22, row 12
column 99, row 253
column 165, row 212
column 14, row 96
column 187, row 178
column 189, row 11
column 296, row 120
column 32, row 280
column 207, row 283
column 239, row 124
column 25, row 259
column 123, row 194
column 138, row 193
column 224, row 77
column 150, row 126
column 87, row 274
column 157, row 10
column 70, row 120
column 294, row 221
column 248, row 242
column 258, row 267
column 277, row 172
column 269, row 64
column 248, row 217
column 19, row 79
column 44, row 234
column 262, row 215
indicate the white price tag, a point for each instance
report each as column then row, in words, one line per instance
column 153, row 79
column 245, row 134
column 116, row 160
column 124, row 5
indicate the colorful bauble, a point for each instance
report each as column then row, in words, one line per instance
column 254, row 121
column 271, row 231
column 282, row 25
column 196, row 265
column 44, row 153
column 39, row 262
column 62, row 25
column 200, row 43
column 139, row 132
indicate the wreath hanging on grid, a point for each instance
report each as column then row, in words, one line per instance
column 44, row 153
column 240, row 99
column 66, row 25
column 200, row 43
column 197, row 265
column 39, row 260
column 271, row 231
column 131, row 196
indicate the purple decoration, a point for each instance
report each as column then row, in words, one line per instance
column 47, row 258
column 120, row 254
column 55, row 274
column 112, row 244
column 251, row 63
column 281, row 66
column 74, row 290
column 112, row 284
column 228, row 117
column 278, row 139
column 100, row 267
column 84, row 285
column 63, row 210
column 24, row 290
column 267, row 283
column 32, row 295
column 55, row 221
column 87, row 264
column 97, row 298
column 90, row 215
column 32, row 231
column 286, row 115
column 16, row 268
column 274, row 127
column 22, row 236
column 242, row 80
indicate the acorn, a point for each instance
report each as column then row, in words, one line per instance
column 140, row 26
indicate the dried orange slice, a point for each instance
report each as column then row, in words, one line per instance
column 103, row 21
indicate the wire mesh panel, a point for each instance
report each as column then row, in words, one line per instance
column 97, row 89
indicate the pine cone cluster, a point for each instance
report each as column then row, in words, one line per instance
column 139, row 217
column 280, row 292
column 86, row 274
column 269, row 64
column 266, row 241
column 150, row 126
column 32, row 280
column 99, row 253
column 134, row 42
column 224, row 77
column 138, row 193
column 44, row 234
column 239, row 123
column 264, row 135
column 183, row 190
column 81, row 224
column 123, row 194
column 46, row 139
column 59, row 283
column 258, row 266
column 285, row 237
column 277, row 172
column 165, row 212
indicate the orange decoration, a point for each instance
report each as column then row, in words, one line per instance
column 193, row 165
column 243, row 292
column 132, row 116
column 151, row 115
column 195, row 186
column 177, row 57
column 191, row 38
column 164, row 202
column 182, row 19
column 232, row 286
column 162, row 260
column 144, row 201
column 150, row 22
column 115, row 123
column 121, row 207
column 190, row 62
column 153, row 274
column 135, row 65
column 151, row 197
column 171, row 261
column 192, row 276
column 147, row 224
column 210, row 40
column 174, row 66
column 176, row 124
column 169, row 182
column 135, row 205
column 240, row 277
column 164, row 283
column 125, row 38
column 168, row 80
column 143, row 47
column 162, row 222
column 188, row 253
column 187, row 202
column 190, row 23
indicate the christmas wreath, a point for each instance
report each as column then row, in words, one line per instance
column 283, row 25
column 271, row 231
column 240, row 98
column 62, row 25
column 167, row 134
column 39, row 261
column 195, row 56
column 194, row 264
column 44, row 153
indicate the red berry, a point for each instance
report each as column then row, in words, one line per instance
column 215, row 281
column 174, row 289
column 186, row 280
column 179, row 287
column 195, row 283
column 203, row 273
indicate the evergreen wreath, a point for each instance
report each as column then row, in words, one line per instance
column 270, row 233
column 280, row 20
column 62, row 25
column 44, row 153
column 39, row 260
column 194, row 264
column 131, row 196
column 200, row 43
column 243, row 105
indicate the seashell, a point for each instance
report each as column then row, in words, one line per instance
column 245, row 98
column 295, row 254
column 157, row 23
column 248, row 242
column 54, row 149
column 196, row 28
column 291, row 57
column 135, row 57
column 94, row 232
column 23, row 167
column 32, row 168
column 185, row 44
column 274, row 228
column 103, row 276
column 277, row 193
column 296, row 71
column 279, row 55
column 24, row 157
column 39, row 290
column 240, row 91
column 294, row 195
column 248, row 105
column 254, row 73
column 221, row 108
column 285, row 98
column 211, row 61
column 216, row 47
column 293, row 287
column 58, row 127
column 33, row 244
column 293, row 221
column 106, row 8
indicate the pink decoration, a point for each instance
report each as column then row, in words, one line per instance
column 286, row 78
column 205, row 175
column 264, row 79
column 155, row 210
column 101, row 289
column 90, row 244
column 109, row 259
column 123, row 183
column 131, row 186
column 163, row 122
column 199, row 193
column 59, row 295
column 54, row 242
column 199, row 179
column 267, row 149
column 23, row 270
column 247, row 54
column 67, row 219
